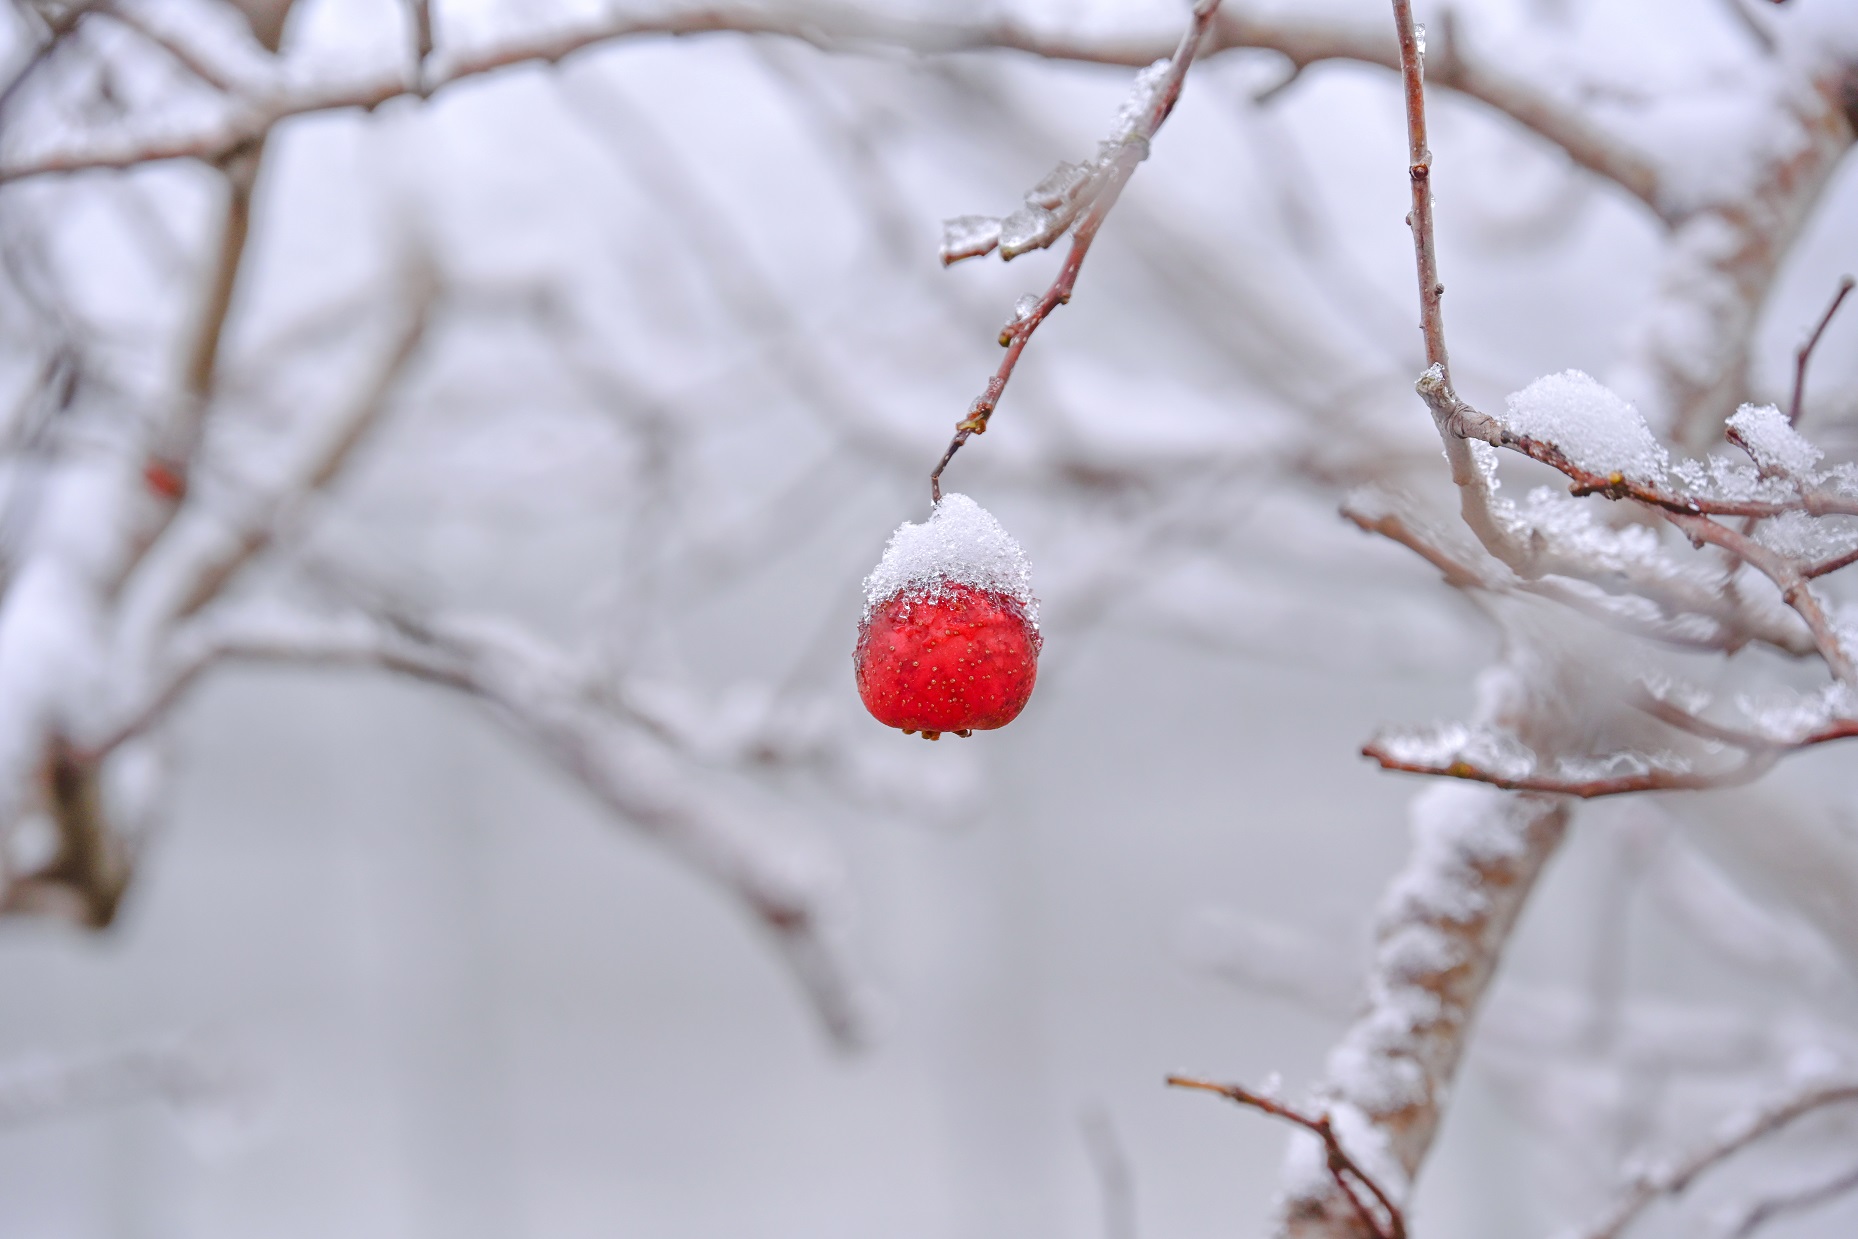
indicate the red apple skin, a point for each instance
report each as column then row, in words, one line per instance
column 965, row 660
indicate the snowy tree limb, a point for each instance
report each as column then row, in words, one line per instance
column 1443, row 923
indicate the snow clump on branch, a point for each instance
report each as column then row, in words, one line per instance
column 1596, row 429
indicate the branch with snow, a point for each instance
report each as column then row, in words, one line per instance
column 1382, row 1218
column 1443, row 922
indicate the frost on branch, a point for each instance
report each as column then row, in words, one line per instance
column 1054, row 204
column 960, row 544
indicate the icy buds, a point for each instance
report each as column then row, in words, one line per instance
column 950, row 635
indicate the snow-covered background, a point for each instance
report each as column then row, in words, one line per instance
column 690, row 361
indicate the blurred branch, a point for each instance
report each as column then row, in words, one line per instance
column 1799, row 1200
column 542, row 696
column 1115, row 1180
column 177, row 49
column 1804, row 355
column 835, row 28
column 35, row 1090
column 342, row 435
column 1736, row 1134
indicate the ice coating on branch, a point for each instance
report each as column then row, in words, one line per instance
column 1135, row 108
column 1053, row 205
column 1594, row 427
column 1772, row 442
column 1029, row 228
column 960, row 544
column 1060, row 185
column 968, row 236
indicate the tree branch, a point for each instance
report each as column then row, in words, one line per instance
column 1441, row 930
column 1344, row 1171
column 1738, row 1133
column 1102, row 188
column 1302, row 41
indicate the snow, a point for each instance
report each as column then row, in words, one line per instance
column 1772, row 442
column 960, row 544
column 1808, row 539
column 1789, row 717
column 1593, row 427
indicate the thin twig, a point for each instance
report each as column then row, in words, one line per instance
column 1122, row 165
column 1419, row 174
column 182, row 54
column 1796, row 1201
column 1805, row 353
column 1344, row 1169
column 1787, row 578
column 1674, row 1178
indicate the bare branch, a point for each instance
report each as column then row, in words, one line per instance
column 1805, row 353
column 1800, row 1200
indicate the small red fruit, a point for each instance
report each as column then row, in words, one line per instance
column 950, row 636
column 164, row 479
column 964, row 660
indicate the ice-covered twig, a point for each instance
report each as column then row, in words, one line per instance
column 1156, row 92
column 1386, row 1222
column 1739, row 1132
